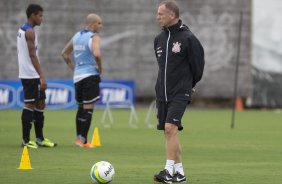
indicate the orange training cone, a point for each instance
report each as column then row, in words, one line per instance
column 239, row 104
column 25, row 161
column 96, row 138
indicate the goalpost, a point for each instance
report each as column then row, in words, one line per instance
column 133, row 119
column 151, row 115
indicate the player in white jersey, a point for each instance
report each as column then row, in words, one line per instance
column 87, row 66
column 32, row 78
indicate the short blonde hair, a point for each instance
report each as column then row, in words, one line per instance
column 171, row 6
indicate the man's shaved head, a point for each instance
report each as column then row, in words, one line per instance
column 94, row 22
column 92, row 18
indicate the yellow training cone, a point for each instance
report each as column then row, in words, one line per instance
column 25, row 162
column 96, row 138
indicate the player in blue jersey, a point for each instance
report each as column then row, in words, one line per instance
column 32, row 78
column 84, row 50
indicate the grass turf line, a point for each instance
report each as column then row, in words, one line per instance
column 212, row 152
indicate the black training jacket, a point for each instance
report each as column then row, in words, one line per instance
column 180, row 57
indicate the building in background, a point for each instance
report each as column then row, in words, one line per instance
column 127, row 46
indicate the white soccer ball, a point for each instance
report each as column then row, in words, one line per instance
column 102, row 172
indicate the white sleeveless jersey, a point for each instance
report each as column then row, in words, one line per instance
column 26, row 68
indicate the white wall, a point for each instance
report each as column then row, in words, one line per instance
column 267, row 53
column 267, row 35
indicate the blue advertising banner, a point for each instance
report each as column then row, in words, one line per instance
column 117, row 94
column 8, row 96
column 60, row 94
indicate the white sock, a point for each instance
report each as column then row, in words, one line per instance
column 179, row 168
column 169, row 166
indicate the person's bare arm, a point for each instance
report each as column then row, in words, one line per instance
column 30, row 38
column 96, row 52
column 66, row 54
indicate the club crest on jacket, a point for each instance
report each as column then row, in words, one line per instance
column 176, row 47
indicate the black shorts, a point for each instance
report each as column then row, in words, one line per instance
column 171, row 112
column 32, row 92
column 87, row 90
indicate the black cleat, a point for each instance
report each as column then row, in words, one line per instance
column 178, row 178
column 163, row 177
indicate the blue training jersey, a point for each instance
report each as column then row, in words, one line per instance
column 85, row 63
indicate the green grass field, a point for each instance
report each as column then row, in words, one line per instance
column 212, row 152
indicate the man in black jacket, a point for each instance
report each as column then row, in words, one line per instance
column 180, row 57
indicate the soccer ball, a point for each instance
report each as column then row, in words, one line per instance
column 102, row 172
